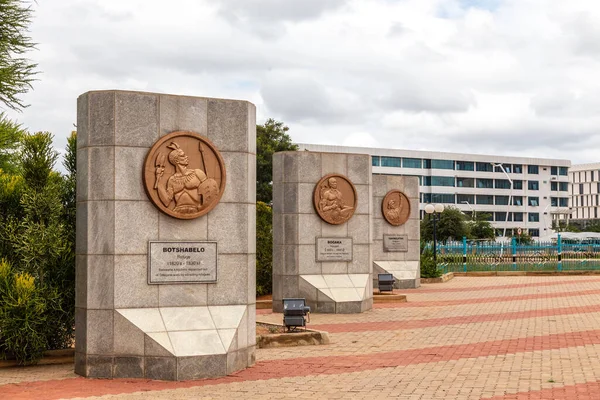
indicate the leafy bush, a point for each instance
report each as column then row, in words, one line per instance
column 428, row 267
column 37, row 236
column 24, row 317
column 264, row 249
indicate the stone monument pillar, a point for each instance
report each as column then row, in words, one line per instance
column 165, row 236
column 396, row 229
column 322, row 231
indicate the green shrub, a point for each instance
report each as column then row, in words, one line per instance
column 428, row 267
column 264, row 249
column 24, row 317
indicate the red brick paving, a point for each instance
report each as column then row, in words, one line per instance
column 428, row 289
column 483, row 300
column 582, row 391
column 503, row 367
column 79, row 387
column 469, row 319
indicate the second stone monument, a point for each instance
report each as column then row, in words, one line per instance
column 322, row 231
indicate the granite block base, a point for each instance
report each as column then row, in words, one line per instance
column 164, row 368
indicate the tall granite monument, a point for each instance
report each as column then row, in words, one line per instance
column 396, row 229
column 165, row 236
column 322, row 230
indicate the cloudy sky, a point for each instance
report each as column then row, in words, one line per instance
column 509, row 77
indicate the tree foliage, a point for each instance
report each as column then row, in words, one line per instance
column 270, row 138
column 264, row 248
column 451, row 225
column 16, row 72
column 10, row 139
column 481, row 228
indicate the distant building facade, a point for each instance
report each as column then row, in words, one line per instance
column 585, row 193
column 476, row 183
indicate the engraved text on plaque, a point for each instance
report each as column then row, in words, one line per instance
column 395, row 243
column 334, row 249
column 182, row 262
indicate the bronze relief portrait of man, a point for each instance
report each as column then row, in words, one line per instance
column 395, row 207
column 184, row 175
column 335, row 199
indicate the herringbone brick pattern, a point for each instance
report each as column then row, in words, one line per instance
column 494, row 338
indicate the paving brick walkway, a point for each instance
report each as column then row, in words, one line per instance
column 496, row 338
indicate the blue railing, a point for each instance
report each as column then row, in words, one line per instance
column 466, row 256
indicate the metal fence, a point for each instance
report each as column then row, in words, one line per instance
column 556, row 255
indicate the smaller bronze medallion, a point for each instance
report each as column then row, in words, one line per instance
column 395, row 207
column 335, row 199
column 184, row 175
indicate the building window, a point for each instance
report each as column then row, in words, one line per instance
column 442, row 181
column 581, row 188
column 500, row 216
column 553, row 186
column 554, row 201
column 553, row 170
column 533, row 185
column 501, row 200
column 534, row 217
column 442, row 198
column 592, row 176
column 517, row 184
column 426, row 181
column 534, row 201
column 465, row 198
column 390, row 162
column 465, row 165
column 517, row 201
column 375, row 161
column 465, row 182
column 485, row 183
column 534, row 232
column 506, row 167
column 484, row 167
column 484, row 199
column 442, row 164
column 533, row 169
column 517, row 169
column 411, row 162
column 502, row 184
column 426, row 163
column 518, row 217
column 563, row 186
column 563, row 171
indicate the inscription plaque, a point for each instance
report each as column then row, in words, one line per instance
column 334, row 249
column 393, row 243
column 184, row 175
column 182, row 262
column 395, row 207
column 335, row 199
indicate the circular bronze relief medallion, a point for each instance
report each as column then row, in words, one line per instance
column 335, row 199
column 395, row 207
column 184, row 175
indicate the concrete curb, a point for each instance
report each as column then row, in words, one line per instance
column 441, row 279
column 50, row 357
column 291, row 339
column 389, row 298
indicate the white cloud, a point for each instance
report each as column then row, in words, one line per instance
column 485, row 76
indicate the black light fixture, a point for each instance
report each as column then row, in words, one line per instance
column 295, row 312
column 386, row 282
